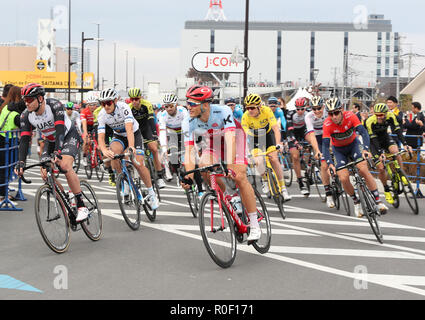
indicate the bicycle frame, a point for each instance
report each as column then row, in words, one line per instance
column 269, row 166
column 124, row 163
column 94, row 151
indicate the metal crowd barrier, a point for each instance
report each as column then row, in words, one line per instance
column 10, row 150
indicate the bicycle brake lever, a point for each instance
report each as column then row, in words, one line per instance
column 25, row 180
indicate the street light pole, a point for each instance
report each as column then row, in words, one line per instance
column 82, row 65
column 69, row 50
column 98, row 56
column 245, row 75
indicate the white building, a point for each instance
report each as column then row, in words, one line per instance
column 416, row 88
column 296, row 51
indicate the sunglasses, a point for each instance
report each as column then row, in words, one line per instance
column 250, row 108
column 107, row 103
column 334, row 114
column 300, row 109
column 134, row 99
column 29, row 100
column 231, row 104
column 193, row 104
column 316, row 109
column 380, row 115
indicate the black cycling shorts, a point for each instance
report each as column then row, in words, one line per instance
column 138, row 142
column 70, row 147
column 147, row 134
column 385, row 142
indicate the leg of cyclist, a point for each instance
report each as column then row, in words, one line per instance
column 296, row 163
column 274, row 161
column 153, row 147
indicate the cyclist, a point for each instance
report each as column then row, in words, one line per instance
column 236, row 109
column 216, row 123
column 381, row 142
column 118, row 116
column 61, row 137
column 263, row 132
column 87, row 124
column 314, row 121
column 143, row 112
column 74, row 116
column 340, row 130
column 274, row 104
column 297, row 132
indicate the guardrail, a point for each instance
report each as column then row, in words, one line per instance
column 10, row 150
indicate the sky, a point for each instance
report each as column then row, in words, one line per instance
column 151, row 30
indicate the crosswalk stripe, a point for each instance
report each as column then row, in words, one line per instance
column 387, row 237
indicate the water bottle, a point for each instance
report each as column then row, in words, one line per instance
column 236, row 204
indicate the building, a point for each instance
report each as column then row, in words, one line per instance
column 76, row 58
column 334, row 54
column 416, row 88
column 22, row 57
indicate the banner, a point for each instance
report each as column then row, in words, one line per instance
column 50, row 80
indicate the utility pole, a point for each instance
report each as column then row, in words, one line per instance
column 134, row 72
column 245, row 75
column 69, row 50
column 126, row 70
column 115, row 64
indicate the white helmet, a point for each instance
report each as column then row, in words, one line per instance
column 92, row 99
column 108, row 94
column 170, row 98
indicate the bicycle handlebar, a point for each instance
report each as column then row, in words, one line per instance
column 122, row 156
column 211, row 168
column 43, row 164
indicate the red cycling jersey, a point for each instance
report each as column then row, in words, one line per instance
column 344, row 134
column 87, row 115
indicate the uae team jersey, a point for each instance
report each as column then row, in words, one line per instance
column 87, row 115
column 53, row 115
column 344, row 134
column 117, row 119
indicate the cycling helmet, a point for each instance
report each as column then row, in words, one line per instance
column 301, row 102
column 92, row 99
column 316, row 101
column 253, row 99
column 108, row 94
column 380, row 108
column 69, row 105
column 200, row 93
column 134, row 93
column 229, row 100
column 33, row 90
column 170, row 98
column 333, row 104
column 273, row 101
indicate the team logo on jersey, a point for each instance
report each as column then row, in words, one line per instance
column 215, row 125
column 227, row 120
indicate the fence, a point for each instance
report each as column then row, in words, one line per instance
column 10, row 156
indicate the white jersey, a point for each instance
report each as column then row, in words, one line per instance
column 75, row 119
column 117, row 119
column 315, row 124
column 167, row 122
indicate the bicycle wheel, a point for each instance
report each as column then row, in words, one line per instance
column 395, row 191
column 154, row 176
column 263, row 244
column 344, row 197
column 99, row 170
column 217, row 233
column 288, row 173
column 92, row 227
column 88, row 168
column 52, row 219
column 409, row 193
column 317, row 180
column 128, row 201
column 275, row 191
column 192, row 199
column 335, row 195
column 370, row 210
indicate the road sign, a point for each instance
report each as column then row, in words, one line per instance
column 216, row 62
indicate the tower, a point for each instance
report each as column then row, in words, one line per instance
column 215, row 12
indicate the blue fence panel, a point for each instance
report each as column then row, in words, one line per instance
column 10, row 150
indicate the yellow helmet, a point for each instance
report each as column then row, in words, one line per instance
column 135, row 93
column 253, row 99
column 380, row 108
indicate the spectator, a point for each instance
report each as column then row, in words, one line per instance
column 357, row 108
column 9, row 120
column 283, row 106
column 392, row 103
column 5, row 93
column 416, row 127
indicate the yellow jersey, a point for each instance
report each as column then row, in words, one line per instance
column 96, row 114
column 261, row 125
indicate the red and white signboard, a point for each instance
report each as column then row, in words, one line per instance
column 216, row 62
